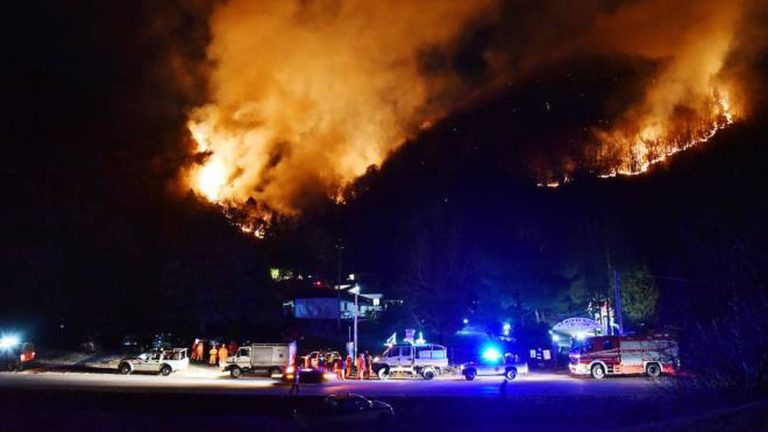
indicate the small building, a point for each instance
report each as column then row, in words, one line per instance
column 320, row 301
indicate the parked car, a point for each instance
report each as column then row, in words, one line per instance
column 307, row 375
column 313, row 358
column 136, row 343
column 349, row 408
column 163, row 362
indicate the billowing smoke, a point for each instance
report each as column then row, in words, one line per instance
column 687, row 101
column 306, row 95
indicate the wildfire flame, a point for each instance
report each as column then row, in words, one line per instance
column 655, row 143
column 306, row 96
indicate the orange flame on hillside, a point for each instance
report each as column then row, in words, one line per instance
column 306, row 96
column 655, row 143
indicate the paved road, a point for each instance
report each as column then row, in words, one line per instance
column 203, row 380
column 203, row 399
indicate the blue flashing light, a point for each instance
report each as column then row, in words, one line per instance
column 491, row 354
column 465, row 321
column 506, row 328
column 555, row 337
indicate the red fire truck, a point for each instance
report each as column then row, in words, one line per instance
column 599, row 356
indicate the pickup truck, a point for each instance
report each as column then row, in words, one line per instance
column 164, row 362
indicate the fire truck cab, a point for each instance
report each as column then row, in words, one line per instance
column 599, row 356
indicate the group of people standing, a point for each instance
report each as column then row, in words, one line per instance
column 217, row 353
column 345, row 368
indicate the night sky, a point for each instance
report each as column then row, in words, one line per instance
column 98, row 234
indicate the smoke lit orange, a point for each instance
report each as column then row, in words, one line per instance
column 305, row 96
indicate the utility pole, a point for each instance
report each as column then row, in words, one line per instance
column 617, row 302
column 339, row 248
column 355, row 330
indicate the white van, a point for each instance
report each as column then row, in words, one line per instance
column 426, row 361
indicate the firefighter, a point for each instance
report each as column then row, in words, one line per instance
column 212, row 355
column 194, row 349
column 307, row 361
column 296, row 379
column 508, row 359
column 368, row 364
column 223, row 354
column 337, row 368
column 360, row 366
column 348, row 368
column 199, row 351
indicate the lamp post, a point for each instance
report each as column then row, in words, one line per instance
column 354, row 344
column 339, row 248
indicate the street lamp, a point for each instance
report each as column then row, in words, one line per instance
column 339, row 248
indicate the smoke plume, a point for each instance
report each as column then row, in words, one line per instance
column 306, row 95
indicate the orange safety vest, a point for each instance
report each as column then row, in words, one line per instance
column 223, row 354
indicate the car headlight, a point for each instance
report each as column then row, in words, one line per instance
column 9, row 341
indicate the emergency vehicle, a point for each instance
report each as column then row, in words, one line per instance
column 418, row 360
column 271, row 359
column 599, row 356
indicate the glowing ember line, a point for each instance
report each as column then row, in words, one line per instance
column 725, row 118
column 650, row 146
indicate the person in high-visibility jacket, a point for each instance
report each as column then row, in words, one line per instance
column 360, row 366
column 193, row 357
column 348, row 367
column 200, row 350
column 223, row 354
column 338, row 367
column 212, row 355
column 368, row 365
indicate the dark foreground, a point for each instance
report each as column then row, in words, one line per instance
column 85, row 410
